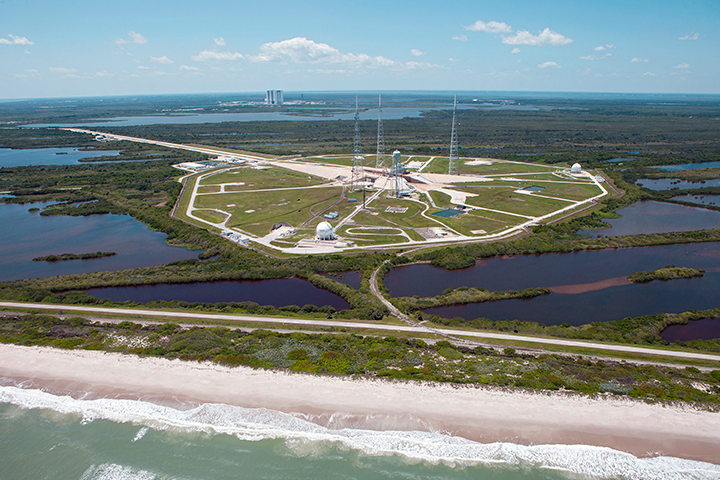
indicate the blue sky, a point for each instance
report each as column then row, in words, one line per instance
column 89, row 48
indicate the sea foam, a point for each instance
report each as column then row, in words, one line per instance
column 255, row 424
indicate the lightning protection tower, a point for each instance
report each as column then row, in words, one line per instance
column 358, row 173
column 454, row 164
column 380, row 158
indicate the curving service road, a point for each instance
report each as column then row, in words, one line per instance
column 413, row 328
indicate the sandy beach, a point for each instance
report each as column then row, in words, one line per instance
column 481, row 414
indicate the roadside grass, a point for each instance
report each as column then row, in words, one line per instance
column 210, row 216
column 209, row 189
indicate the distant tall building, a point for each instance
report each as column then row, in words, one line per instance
column 274, row 97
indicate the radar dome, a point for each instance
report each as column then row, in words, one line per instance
column 324, row 231
column 576, row 168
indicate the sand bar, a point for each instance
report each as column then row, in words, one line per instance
column 481, row 414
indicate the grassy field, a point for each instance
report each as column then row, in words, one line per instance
column 291, row 206
column 519, row 203
column 264, row 179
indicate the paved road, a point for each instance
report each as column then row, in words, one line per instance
column 365, row 326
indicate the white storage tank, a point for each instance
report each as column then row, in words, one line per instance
column 576, row 168
column 324, row 231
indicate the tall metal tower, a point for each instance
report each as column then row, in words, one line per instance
column 380, row 158
column 454, row 164
column 358, row 174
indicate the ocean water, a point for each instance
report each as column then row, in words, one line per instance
column 62, row 437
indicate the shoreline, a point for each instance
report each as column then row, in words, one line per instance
column 482, row 414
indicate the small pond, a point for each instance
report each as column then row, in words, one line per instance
column 352, row 278
column 705, row 329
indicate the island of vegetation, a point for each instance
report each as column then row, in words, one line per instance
column 669, row 272
column 73, row 256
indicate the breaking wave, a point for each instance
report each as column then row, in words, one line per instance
column 301, row 435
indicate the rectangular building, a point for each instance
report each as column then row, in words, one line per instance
column 274, row 97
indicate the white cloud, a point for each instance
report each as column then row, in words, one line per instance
column 454, row 59
column 62, row 70
column 549, row 65
column 690, row 36
column 219, row 41
column 136, row 37
column 162, row 59
column 462, row 38
column 27, row 52
column 302, row 50
column 595, row 57
column 120, row 41
column 515, row 50
column 603, row 47
column 104, row 73
column 207, row 55
column 416, row 53
column 15, row 41
column 546, row 37
column 143, row 67
column 639, row 60
column 32, row 70
column 649, row 74
column 160, row 73
column 490, row 27
column 187, row 67
column 682, row 65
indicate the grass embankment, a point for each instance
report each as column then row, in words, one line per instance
column 73, row 256
column 372, row 356
column 463, row 295
column 669, row 272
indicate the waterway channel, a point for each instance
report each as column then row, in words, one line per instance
column 592, row 283
column 278, row 293
column 48, row 156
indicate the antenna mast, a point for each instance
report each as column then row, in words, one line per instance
column 357, row 162
column 380, row 158
column 454, row 164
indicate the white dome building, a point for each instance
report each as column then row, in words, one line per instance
column 576, row 168
column 324, row 231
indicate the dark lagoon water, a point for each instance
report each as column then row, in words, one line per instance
column 352, row 278
column 705, row 329
column 670, row 183
column 48, row 156
column 587, row 273
column 658, row 217
column 32, row 235
column 279, row 293
column 687, row 166
column 699, row 199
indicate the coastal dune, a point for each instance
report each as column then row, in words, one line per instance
column 480, row 414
